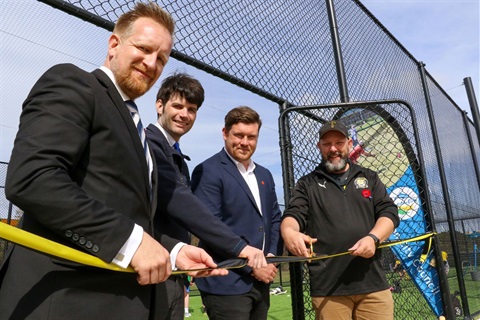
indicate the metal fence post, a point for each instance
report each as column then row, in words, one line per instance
column 438, row 256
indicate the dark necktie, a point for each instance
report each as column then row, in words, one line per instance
column 132, row 107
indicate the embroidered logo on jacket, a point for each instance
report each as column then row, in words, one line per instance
column 323, row 185
column 361, row 183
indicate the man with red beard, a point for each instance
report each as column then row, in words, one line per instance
column 81, row 172
column 340, row 207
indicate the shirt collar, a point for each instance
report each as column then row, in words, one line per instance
column 170, row 140
column 109, row 73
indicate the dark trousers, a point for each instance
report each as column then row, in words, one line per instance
column 172, row 298
column 252, row 305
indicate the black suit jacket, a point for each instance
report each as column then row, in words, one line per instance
column 79, row 172
column 176, row 202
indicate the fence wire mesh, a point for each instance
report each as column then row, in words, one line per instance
column 283, row 50
column 9, row 213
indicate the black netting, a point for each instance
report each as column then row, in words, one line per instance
column 283, row 50
column 8, row 213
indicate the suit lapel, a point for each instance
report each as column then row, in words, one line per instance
column 263, row 190
column 162, row 140
column 177, row 158
column 233, row 170
column 158, row 135
column 132, row 130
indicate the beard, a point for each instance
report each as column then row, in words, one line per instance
column 340, row 164
column 132, row 86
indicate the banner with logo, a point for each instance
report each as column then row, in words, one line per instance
column 412, row 255
column 383, row 152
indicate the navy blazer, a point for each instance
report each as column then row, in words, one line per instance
column 219, row 184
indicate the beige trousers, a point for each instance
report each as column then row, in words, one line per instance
column 372, row 306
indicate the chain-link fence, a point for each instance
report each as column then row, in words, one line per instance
column 304, row 52
column 9, row 213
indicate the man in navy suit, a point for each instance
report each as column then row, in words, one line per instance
column 242, row 194
column 80, row 173
column 179, row 211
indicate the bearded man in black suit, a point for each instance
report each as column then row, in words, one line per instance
column 84, row 178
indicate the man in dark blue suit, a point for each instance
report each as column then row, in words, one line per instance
column 177, row 103
column 179, row 211
column 242, row 194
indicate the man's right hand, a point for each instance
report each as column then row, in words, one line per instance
column 295, row 241
column 255, row 257
column 151, row 261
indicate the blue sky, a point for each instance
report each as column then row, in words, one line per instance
column 442, row 34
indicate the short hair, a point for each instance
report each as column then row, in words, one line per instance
column 185, row 86
column 242, row 114
column 124, row 25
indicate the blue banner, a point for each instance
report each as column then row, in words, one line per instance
column 420, row 269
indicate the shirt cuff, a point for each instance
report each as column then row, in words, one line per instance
column 125, row 255
column 174, row 253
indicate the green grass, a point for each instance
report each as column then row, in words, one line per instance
column 409, row 304
column 472, row 288
column 280, row 306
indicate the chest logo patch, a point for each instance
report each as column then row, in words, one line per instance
column 361, row 183
column 323, row 185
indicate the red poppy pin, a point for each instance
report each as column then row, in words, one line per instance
column 366, row 193
column 263, row 182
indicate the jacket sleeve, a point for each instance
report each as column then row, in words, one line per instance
column 298, row 205
column 181, row 205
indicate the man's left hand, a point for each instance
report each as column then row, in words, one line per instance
column 364, row 248
column 266, row 274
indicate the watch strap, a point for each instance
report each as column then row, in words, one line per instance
column 375, row 239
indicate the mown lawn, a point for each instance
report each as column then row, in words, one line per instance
column 281, row 306
column 409, row 303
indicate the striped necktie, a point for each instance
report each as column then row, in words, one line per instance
column 132, row 107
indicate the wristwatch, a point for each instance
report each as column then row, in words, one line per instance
column 375, row 239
